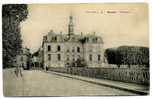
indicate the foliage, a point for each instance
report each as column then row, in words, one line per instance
column 83, row 40
column 18, row 11
column 128, row 55
column 80, row 62
column 12, row 15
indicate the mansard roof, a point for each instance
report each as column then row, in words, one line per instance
column 60, row 37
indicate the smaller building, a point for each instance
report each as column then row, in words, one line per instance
column 23, row 59
column 37, row 59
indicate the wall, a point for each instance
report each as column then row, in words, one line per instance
column 22, row 62
column 140, row 76
column 54, row 60
column 94, row 49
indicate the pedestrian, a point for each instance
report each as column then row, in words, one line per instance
column 46, row 68
column 18, row 71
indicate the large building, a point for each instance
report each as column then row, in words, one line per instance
column 60, row 50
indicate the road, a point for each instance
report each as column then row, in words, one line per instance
column 39, row 83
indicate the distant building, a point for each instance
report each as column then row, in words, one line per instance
column 23, row 58
column 37, row 59
column 60, row 50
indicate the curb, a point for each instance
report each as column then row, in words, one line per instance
column 103, row 84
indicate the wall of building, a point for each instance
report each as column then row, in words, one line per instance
column 23, row 58
column 69, row 53
column 94, row 49
column 54, row 62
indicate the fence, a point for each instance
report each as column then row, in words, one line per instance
column 140, row 76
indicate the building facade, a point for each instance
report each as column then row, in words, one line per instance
column 61, row 50
column 37, row 59
column 23, row 59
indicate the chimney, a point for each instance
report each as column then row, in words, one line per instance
column 81, row 33
column 61, row 33
column 50, row 32
column 94, row 33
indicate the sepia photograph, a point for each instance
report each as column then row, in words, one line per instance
column 81, row 49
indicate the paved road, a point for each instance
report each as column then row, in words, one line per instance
column 39, row 83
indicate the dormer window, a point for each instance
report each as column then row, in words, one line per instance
column 55, row 38
column 95, row 39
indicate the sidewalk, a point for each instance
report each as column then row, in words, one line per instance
column 131, row 87
column 12, row 85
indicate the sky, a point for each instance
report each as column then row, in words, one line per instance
column 117, row 24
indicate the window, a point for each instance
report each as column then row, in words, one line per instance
column 90, row 57
column 58, row 48
column 49, row 48
column 95, row 39
column 21, row 52
column 99, row 57
column 55, row 38
column 45, row 38
column 68, row 50
column 22, row 65
column 73, row 58
column 73, row 50
column 73, row 38
column 90, row 50
column 59, row 57
column 78, row 49
column 21, row 58
column 78, row 56
column 49, row 57
column 68, row 58
column 87, row 39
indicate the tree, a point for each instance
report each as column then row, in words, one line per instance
column 134, row 55
column 80, row 62
column 128, row 55
column 112, row 56
column 12, row 15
